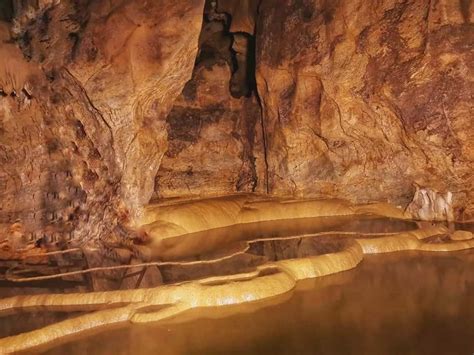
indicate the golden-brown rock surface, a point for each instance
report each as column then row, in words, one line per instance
column 362, row 99
column 105, row 105
column 85, row 90
column 214, row 139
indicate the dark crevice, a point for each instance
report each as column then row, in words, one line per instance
column 27, row 94
column 243, row 64
column 465, row 5
column 238, row 50
column 264, row 142
column 6, row 10
column 262, row 113
column 251, row 64
column 243, row 77
column 235, row 63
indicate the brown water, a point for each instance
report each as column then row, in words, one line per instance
column 205, row 244
column 400, row 303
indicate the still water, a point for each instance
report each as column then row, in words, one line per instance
column 399, row 303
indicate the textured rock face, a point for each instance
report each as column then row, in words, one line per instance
column 86, row 88
column 130, row 79
column 134, row 78
column 363, row 98
column 214, row 139
column 107, row 104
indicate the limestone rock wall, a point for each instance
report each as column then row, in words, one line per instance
column 85, row 90
column 131, row 59
column 214, row 140
column 362, row 99
column 214, row 128
column 105, row 105
column 134, row 77
column 57, row 181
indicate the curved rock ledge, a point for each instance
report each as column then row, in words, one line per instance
column 259, row 286
column 174, row 226
column 414, row 240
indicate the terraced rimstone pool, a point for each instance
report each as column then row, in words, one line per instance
column 399, row 303
column 258, row 256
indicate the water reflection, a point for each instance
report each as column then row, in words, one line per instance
column 209, row 244
column 401, row 303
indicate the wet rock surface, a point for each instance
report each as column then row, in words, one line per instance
column 436, row 318
column 86, row 89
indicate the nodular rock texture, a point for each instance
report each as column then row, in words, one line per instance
column 106, row 105
column 84, row 109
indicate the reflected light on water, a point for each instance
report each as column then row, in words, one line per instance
column 400, row 303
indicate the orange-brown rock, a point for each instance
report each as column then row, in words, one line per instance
column 107, row 104
column 134, row 78
column 214, row 139
column 362, row 99
column 243, row 12
column 131, row 59
column 85, row 90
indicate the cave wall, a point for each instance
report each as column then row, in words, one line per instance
column 107, row 104
column 57, row 182
column 362, row 99
column 85, row 91
column 111, row 51
column 214, row 128
column 214, row 140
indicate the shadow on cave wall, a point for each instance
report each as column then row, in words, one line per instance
column 238, row 49
column 6, row 10
column 217, row 114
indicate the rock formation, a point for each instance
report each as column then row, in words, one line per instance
column 361, row 99
column 106, row 105
column 84, row 112
column 258, row 271
column 214, row 128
